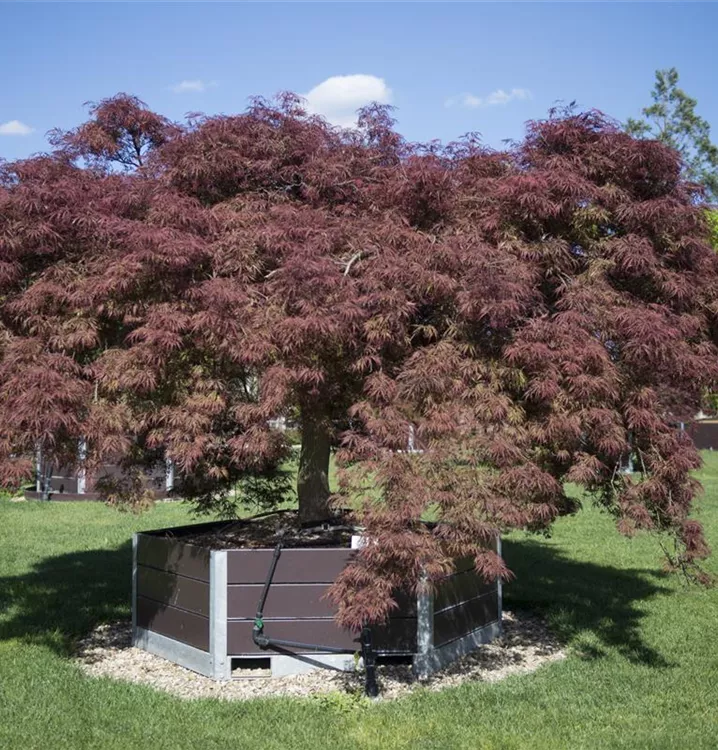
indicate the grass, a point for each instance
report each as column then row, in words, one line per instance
column 642, row 670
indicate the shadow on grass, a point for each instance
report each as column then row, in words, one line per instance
column 64, row 597
column 580, row 598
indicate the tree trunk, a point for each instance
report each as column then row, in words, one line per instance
column 313, row 475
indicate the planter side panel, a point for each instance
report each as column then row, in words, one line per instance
column 398, row 636
column 173, row 556
column 463, row 603
column 460, row 588
column 284, row 600
column 172, row 590
column 185, row 627
column 297, row 607
column 704, row 434
column 294, row 566
column 465, row 618
column 294, row 600
column 56, row 496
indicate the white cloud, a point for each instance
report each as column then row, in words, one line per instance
column 498, row 97
column 339, row 97
column 15, row 127
column 469, row 100
column 196, row 86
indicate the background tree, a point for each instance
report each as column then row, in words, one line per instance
column 712, row 216
column 672, row 119
column 532, row 315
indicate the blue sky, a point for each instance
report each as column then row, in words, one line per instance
column 448, row 67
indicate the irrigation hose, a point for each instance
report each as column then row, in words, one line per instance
column 260, row 639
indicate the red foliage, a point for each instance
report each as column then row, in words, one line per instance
column 533, row 315
column 122, row 131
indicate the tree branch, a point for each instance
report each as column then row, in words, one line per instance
column 352, row 261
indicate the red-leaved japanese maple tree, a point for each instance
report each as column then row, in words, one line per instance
column 532, row 317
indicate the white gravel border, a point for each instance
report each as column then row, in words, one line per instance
column 525, row 645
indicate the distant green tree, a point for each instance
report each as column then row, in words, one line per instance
column 713, row 224
column 672, row 119
column 710, row 401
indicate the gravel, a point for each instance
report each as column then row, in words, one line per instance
column 525, row 645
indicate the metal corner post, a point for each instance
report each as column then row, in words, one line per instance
column 221, row 665
column 424, row 631
column 500, row 591
column 134, row 588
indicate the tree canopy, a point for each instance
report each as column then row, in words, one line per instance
column 533, row 316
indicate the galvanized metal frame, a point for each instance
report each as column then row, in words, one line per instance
column 217, row 664
column 160, row 645
column 175, row 651
column 221, row 663
column 135, row 538
column 500, row 591
column 424, row 632
column 430, row 659
column 425, row 665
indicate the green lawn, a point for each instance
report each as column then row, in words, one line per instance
column 642, row 670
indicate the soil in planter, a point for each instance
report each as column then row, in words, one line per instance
column 269, row 529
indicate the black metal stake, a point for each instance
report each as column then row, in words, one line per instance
column 370, row 685
column 46, row 481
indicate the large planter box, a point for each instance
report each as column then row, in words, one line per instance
column 196, row 607
column 68, row 484
column 704, row 433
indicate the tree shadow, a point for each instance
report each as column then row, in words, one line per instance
column 582, row 598
column 64, row 597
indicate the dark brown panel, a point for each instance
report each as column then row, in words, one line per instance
column 59, row 496
column 460, row 588
column 406, row 604
column 704, row 434
column 400, row 635
column 295, row 600
column 177, row 591
column 62, row 484
column 458, row 621
column 294, row 566
column 462, row 564
column 74, row 496
column 283, row 600
column 152, row 478
column 173, row 556
column 185, row 627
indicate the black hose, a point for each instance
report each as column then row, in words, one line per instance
column 268, row 581
column 370, row 685
column 316, row 647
